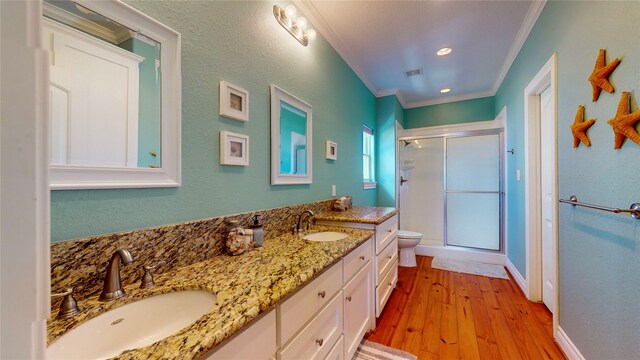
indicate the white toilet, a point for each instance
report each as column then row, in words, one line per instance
column 407, row 241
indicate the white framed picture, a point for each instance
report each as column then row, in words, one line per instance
column 234, row 149
column 331, row 150
column 234, row 101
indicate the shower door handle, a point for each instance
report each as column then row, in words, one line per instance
column 402, row 180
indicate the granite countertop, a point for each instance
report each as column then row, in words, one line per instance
column 360, row 214
column 246, row 286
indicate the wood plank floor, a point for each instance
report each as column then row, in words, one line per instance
column 442, row 315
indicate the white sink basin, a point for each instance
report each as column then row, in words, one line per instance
column 326, row 236
column 132, row 326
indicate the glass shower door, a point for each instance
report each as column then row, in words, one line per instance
column 473, row 191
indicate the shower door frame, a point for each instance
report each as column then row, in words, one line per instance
column 491, row 127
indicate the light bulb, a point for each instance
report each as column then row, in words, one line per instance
column 445, row 90
column 301, row 23
column 444, row 51
column 290, row 11
column 311, row 35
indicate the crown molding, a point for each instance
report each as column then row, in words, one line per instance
column 394, row 91
column 448, row 99
column 525, row 29
column 323, row 27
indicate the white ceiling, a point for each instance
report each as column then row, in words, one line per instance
column 381, row 40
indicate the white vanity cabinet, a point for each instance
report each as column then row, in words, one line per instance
column 385, row 262
column 326, row 319
column 258, row 341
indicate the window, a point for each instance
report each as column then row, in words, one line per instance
column 368, row 161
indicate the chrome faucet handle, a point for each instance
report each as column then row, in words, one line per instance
column 68, row 306
column 147, row 278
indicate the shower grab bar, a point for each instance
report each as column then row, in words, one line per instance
column 634, row 209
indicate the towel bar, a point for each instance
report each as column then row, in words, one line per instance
column 634, row 209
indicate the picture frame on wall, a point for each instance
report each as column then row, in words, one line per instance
column 234, row 101
column 331, row 150
column 234, row 149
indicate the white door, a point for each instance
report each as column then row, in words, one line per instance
column 547, row 179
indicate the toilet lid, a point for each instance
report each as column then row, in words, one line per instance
column 409, row 234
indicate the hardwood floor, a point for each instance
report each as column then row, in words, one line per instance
column 437, row 314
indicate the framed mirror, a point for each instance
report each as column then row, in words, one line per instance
column 291, row 139
column 115, row 96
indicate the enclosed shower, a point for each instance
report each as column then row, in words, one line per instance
column 451, row 189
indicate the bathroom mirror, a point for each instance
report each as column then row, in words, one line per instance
column 291, row 139
column 114, row 85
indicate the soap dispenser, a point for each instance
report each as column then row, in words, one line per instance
column 258, row 231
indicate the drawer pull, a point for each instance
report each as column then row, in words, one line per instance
column 322, row 295
column 390, row 231
column 390, row 284
column 319, row 342
column 348, row 298
column 361, row 257
column 390, row 257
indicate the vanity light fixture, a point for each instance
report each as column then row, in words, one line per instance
column 444, row 51
column 296, row 27
column 445, row 90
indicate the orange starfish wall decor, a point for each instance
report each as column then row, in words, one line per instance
column 579, row 128
column 623, row 123
column 600, row 76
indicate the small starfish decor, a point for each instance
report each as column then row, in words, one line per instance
column 623, row 123
column 579, row 128
column 600, row 76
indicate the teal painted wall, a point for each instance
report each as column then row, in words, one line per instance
column 149, row 100
column 242, row 43
column 599, row 253
column 450, row 113
column 388, row 110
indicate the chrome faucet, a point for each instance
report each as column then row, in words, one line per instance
column 299, row 226
column 112, row 289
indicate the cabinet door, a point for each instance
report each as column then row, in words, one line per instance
column 358, row 309
column 261, row 336
column 337, row 353
column 386, row 286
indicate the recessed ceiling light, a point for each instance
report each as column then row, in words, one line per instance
column 445, row 90
column 444, row 51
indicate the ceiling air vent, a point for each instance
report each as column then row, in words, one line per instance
column 414, row 72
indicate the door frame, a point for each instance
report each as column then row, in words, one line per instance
column 546, row 77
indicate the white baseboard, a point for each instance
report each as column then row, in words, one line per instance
column 460, row 254
column 569, row 349
column 522, row 283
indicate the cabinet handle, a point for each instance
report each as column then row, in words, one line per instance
column 361, row 257
column 390, row 257
column 390, row 284
column 390, row 231
column 319, row 342
column 322, row 294
column 348, row 298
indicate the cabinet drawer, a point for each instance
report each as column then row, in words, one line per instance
column 317, row 338
column 298, row 309
column 337, row 352
column 356, row 260
column 261, row 336
column 386, row 259
column 383, row 291
column 385, row 233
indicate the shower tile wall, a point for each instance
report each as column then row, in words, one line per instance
column 422, row 196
